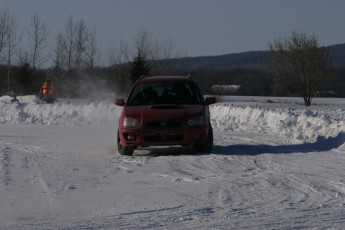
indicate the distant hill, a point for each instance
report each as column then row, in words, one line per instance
column 338, row 54
column 251, row 59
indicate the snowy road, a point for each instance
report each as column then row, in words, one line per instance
column 68, row 175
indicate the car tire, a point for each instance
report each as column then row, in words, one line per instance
column 207, row 148
column 128, row 151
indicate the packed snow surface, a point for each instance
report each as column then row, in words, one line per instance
column 275, row 164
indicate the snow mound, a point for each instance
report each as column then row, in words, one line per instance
column 303, row 125
column 296, row 124
column 29, row 99
column 31, row 110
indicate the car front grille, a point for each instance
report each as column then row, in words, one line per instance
column 157, row 137
column 163, row 131
column 162, row 124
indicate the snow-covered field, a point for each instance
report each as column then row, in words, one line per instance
column 275, row 165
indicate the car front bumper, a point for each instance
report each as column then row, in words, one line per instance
column 136, row 137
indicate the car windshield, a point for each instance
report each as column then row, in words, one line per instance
column 166, row 93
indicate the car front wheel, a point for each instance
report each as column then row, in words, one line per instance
column 122, row 149
column 207, row 147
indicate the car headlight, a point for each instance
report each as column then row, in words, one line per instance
column 131, row 122
column 197, row 120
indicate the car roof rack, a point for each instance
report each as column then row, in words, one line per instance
column 144, row 76
column 141, row 77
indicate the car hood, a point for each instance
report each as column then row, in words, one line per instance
column 163, row 112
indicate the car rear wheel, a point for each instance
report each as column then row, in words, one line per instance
column 207, row 147
column 122, row 149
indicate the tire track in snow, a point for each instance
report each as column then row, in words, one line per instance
column 6, row 165
column 262, row 174
column 32, row 166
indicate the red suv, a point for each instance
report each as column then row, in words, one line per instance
column 164, row 111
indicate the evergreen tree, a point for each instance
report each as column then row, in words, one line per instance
column 139, row 67
column 24, row 82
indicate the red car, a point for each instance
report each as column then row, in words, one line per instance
column 164, row 111
column 47, row 92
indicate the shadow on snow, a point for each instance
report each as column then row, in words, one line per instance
column 322, row 144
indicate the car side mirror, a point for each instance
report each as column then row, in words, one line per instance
column 210, row 100
column 119, row 102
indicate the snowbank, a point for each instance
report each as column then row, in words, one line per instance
column 297, row 124
column 30, row 110
column 303, row 125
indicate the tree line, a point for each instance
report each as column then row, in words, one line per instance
column 75, row 55
column 299, row 66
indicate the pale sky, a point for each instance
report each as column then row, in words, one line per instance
column 195, row 27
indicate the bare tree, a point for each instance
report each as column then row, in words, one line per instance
column 118, row 58
column 143, row 44
column 158, row 54
column 300, row 64
column 70, row 42
column 81, row 41
column 77, row 45
column 119, row 53
column 92, row 56
column 60, row 53
column 37, row 41
column 4, row 29
column 162, row 56
column 11, row 42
